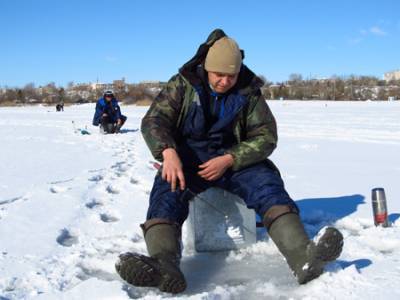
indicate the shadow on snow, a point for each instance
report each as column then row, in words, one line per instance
column 205, row 270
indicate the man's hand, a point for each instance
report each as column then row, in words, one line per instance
column 172, row 169
column 119, row 122
column 216, row 167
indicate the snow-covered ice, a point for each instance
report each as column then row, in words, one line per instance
column 70, row 203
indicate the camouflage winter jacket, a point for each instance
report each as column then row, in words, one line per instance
column 254, row 126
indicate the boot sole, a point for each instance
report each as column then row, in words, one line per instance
column 143, row 271
column 330, row 245
column 327, row 249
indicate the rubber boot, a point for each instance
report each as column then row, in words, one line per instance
column 161, row 269
column 118, row 128
column 110, row 128
column 306, row 258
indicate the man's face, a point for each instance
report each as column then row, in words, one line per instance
column 108, row 98
column 220, row 82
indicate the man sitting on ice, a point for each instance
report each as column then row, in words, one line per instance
column 108, row 114
column 211, row 127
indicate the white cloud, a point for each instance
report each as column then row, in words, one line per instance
column 364, row 33
column 377, row 31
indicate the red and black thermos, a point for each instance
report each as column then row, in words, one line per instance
column 379, row 207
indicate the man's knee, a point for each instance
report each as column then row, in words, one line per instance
column 277, row 211
column 104, row 119
column 165, row 204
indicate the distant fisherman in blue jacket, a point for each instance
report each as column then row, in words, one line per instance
column 108, row 114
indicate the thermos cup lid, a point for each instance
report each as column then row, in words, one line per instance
column 378, row 194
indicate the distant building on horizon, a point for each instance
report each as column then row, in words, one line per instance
column 102, row 86
column 393, row 75
column 118, row 84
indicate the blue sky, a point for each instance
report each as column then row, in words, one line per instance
column 82, row 41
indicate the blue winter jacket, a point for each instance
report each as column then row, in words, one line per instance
column 111, row 108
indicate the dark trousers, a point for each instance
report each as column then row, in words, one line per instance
column 260, row 186
column 109, row 126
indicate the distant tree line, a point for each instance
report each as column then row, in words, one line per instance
column 295, row 88
column 334, row 88
column 76, row 93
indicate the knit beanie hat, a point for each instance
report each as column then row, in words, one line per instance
column 224, row 56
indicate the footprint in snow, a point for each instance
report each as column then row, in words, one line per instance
column 93, row 204
column 96, row 178
column 108, row 218
column 118, row 154
column 134, row 181
column 89, row 271
column 119, row 174
column 136, row 238
column 55, row 189
column 120, row 167
column 112, row 189
column 66, row 238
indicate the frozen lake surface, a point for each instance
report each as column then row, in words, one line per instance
column 70, row 203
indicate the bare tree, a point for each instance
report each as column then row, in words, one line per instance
column 295, row 78
column 30, row 91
